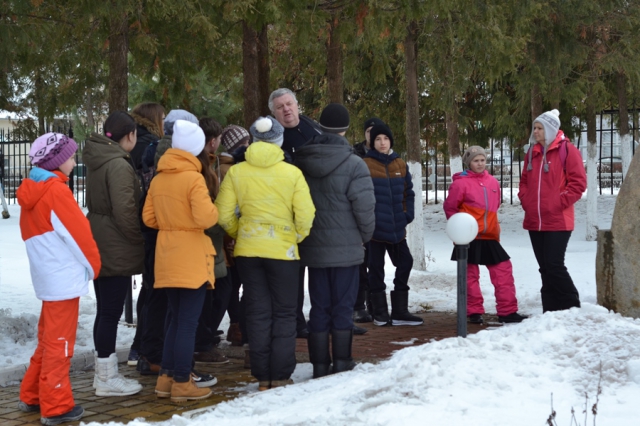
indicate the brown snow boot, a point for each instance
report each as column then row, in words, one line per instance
column 188, row 391
column 164, row 383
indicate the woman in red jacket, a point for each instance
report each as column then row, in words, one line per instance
column 476, row 192
column 553, row 179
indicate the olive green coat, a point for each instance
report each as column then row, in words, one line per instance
column 113, row 194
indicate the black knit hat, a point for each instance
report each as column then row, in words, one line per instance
column 334, row 119
column 372, row 122
column 380, row 129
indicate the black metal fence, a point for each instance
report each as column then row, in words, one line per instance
column 15, row 165
column 505, row 160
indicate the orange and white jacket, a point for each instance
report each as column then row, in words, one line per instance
column 63, row 255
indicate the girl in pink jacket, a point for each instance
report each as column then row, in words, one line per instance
column 553, row 179
column 476, row 192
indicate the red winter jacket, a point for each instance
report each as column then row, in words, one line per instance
column 479, row 195
column 548, row 197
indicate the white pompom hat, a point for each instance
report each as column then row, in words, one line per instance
column 550, row 120
column 267, row 129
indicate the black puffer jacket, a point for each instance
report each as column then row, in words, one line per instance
column 147, row 132
column 360, row 149
column 342, row 192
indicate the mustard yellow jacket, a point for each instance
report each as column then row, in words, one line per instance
column 179, row 205
column 274, row 207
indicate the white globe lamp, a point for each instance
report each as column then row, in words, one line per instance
column 462, row 228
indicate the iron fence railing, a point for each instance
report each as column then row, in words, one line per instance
column 504, row 161
column 15, row 165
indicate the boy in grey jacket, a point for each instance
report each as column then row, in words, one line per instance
column 342, row 193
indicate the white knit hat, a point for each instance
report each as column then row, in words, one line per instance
column 550, row 120
column 188, row 137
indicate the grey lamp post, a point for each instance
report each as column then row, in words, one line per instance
column 462, row 228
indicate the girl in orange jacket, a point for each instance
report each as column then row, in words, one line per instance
column 179, row 205
column 63, row 257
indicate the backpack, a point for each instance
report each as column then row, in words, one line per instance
column 148, row 170
column 563, row 153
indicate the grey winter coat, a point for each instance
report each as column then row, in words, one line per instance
column 113, row 193
column 342, row 192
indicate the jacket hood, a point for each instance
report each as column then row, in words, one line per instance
column 264, row 154
column 469, row 174
column 322, row 155
column 36, row 185
column 100, row 149
column 225, row 158
column 176, row 160
column 383, row 158
column 147, row 125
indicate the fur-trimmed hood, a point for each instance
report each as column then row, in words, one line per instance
column 150, row 125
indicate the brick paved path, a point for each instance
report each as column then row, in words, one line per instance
column 232, row 377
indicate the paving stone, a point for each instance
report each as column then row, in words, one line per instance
column 374, row 346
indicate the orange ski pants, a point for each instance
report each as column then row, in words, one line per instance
column 46, row 381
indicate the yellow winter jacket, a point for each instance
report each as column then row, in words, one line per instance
column 179, row 205
column 275, row 210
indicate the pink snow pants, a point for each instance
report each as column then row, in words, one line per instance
column 503, row 283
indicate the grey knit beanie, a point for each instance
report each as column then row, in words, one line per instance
column 267, row 129
column 175, row 115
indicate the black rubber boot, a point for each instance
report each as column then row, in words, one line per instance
column 319, row 353
column 359, row 331
column 341, row 348
column 360, row 313
column 380, row 308
column 400, row 312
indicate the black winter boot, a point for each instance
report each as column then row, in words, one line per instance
column 319, row 353
column 360, row 313
column 368, row 303
column 380, row 308
column 399, row 310
column 341, row 348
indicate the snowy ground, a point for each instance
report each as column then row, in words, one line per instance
column 504, row 376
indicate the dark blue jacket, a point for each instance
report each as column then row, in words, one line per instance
column 394, row 195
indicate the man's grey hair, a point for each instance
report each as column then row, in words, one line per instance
column 280, row 92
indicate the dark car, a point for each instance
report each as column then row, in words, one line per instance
column 610, row 164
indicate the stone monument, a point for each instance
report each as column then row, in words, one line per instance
column 618, row 256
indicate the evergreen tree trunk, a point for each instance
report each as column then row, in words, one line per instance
column 264, row 71
column 39, row 103
column 625, row 137
column 536, row 102
column 118, row 63
column 592, row 180
column 415, row 230
column 250, row 74
column 453, row 138
column 334, row 62
column 88, row 105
